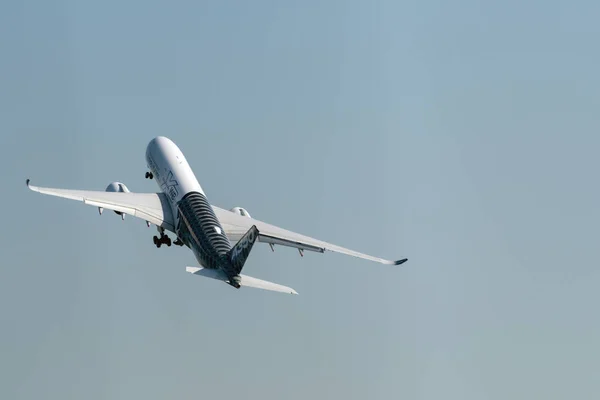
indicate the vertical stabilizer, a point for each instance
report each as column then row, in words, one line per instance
column 239, row 253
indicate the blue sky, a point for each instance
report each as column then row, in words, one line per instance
column 461, row 135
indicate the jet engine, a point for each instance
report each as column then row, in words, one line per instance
column 240, row 211
column 116, row 187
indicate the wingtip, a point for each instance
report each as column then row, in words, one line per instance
column 401, row 261
column 27, row 181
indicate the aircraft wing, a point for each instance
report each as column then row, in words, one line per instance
column 152, row 207
column 236, row 226
column 155, row 208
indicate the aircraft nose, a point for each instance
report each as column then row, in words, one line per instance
column 159, row 145
column 160, row 141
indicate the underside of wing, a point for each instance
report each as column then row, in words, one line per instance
column 236, row 225
column 152, row 207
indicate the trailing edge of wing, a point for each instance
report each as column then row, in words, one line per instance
column 236, row 225
column 152, row 207
column 289, row 243
column 246, row 280
column 307, row 245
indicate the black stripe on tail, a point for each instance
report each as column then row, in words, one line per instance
column 239, row 253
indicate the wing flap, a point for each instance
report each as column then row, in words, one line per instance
column 114, row 207
column 289, row 243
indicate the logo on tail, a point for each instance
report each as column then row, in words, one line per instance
column 239, row 253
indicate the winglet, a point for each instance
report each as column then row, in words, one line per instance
column 27, row 181
column 400, row 261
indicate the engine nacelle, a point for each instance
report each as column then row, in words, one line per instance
column 116, row 187
column 240, row 211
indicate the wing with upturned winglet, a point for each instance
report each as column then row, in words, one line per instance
column 236, row 225
column 155, row 208
column 152, row 207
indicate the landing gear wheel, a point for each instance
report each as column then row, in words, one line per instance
column 163, row 239
column 149, row 175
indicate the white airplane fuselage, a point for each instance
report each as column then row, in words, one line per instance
column 195, row 222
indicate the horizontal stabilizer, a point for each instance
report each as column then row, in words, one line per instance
column 246, row 280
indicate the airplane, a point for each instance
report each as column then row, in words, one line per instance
column 220, row 239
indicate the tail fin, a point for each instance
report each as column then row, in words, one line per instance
column 239, row 253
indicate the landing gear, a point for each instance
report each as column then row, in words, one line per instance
column 149, row 175
column 163, row 239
